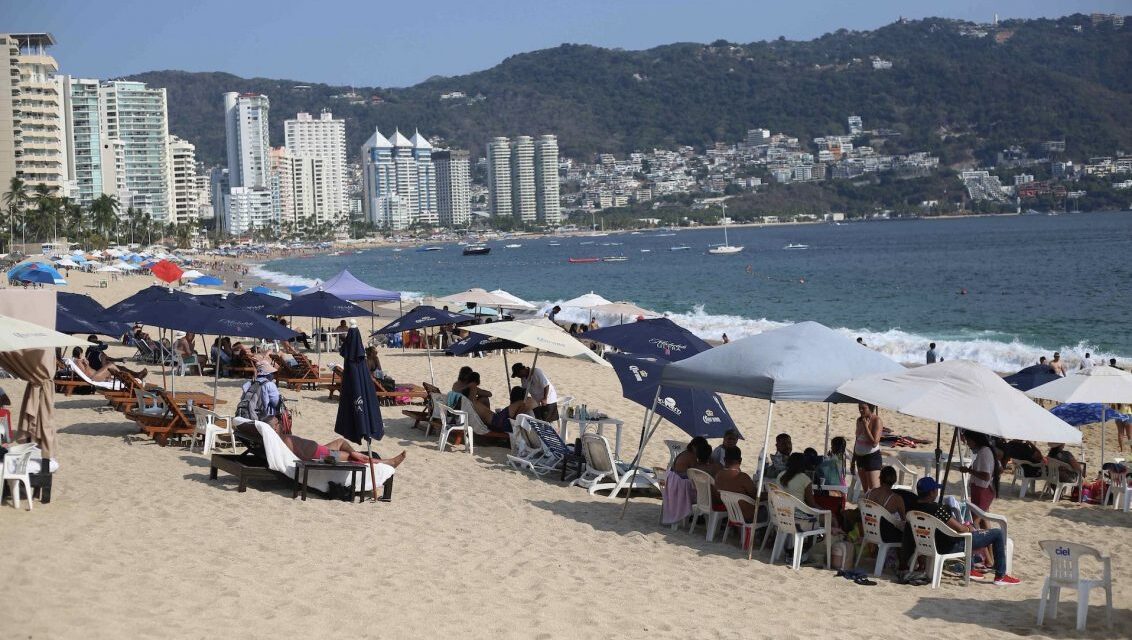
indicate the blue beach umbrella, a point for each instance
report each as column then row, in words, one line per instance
column 1030, row 377
column 295, row 288
column 477, row 342
column 37, row 276
column 208, row 281
column 1082, row 413
column 76, row 313
column 695, row 411
column 261, row 289
column 320, row 304
column 257, row 302
column 28, row 267
column 359, row 412
column 659, row 337
column 419, row 318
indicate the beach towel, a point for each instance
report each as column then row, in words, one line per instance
column 677, row 494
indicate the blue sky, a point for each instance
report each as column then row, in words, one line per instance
column 397, row 43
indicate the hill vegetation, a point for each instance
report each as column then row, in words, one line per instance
column 955, row 89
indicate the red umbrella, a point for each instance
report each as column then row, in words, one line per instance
column 167, row 271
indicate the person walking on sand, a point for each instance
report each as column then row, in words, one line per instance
column 932, row 356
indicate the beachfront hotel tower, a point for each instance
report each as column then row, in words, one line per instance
column 33, row 143
column 522, row 177
column 248, row 204
column 399, row 181
column 499, row 176
column 547, row 203
column 453, row 187
column 135, row 123
column 182, row 178
column 523, row 204
column 85, row 151
column 320, row 143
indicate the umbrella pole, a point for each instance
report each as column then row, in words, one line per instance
column 401, row 310
column 828, row 415
column 963, row 476
column 161, row 352
column 1104, row 425
column 506, row 372
column 428, row 352
column 318, row 342
column 527, row 384
column 938, row 451
column 645, row 435
column 947, row 469
column 372, row 473
column 216, row 371
column 762, row 477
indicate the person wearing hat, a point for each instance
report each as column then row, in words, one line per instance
column 540, row 389
column 268, row 390
column 927, row 494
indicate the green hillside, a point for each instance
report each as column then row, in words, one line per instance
column 957, row 95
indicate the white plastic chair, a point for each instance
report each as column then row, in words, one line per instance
column 924, row 527
column 1027, row 483
column 1053, row 480
column 1118, row 491
column 993, row 518
column 902, row 470
column 451, row 421
column 15, row 473
column 1065, row 573
column 702, row 507
column 675, row 448
column 209, row 425
column 736, row 519
column 602, row 467
column 526, row 448
column 564, row 404
column 872, row 514
column 783, row 512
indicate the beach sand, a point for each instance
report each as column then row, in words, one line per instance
column 138, row 542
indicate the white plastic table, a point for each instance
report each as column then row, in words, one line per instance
column 925, row 459
column 600, row 423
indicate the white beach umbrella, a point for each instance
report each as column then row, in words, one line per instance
column 515, row 301
column 126, row 266
column 108, row 269
column 622, row 309
column 202, row 291
column 1106, row 385
column 478, row 297
column 585, row 301
column 20, row 335
column 192, row 274
column 66, row 262
column 542, row 335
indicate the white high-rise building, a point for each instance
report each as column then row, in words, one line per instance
column 523, row 204
column 182, row 178
column 499, row 177
column 137, row 119
column 399, row 167
column 249, row 205
column 548, row 205
column 33, row 132
column 86, row 141
column 453, row 187
column 323, row 139
column 298, row 185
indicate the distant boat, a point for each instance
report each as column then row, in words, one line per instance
column 512, row 246
column 554, row 244
column 725, row 249
column 476, row 250
column 396, row 249
column 796, row 246
column 661, row 235
column 612, row 244
column 586, row 242
column 679, row 247
column 582, row 260
column 615, row 259
column 422, row 249
column 646, row 250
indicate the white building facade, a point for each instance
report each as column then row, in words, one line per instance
column 453, row 187
column 135, row 122
column 182, row 179
column 249, row 203
column 547, row 201
column 322, row 139
column 398, row 166
column 499, row 177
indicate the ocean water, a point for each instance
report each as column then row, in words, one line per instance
column 999, row 290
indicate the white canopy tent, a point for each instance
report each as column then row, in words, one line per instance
column 804, row 362
column 1106, row 385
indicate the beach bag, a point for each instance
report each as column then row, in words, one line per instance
column 284, row 415
column 250, row 406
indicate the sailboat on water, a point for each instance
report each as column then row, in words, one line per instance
column 726, row 248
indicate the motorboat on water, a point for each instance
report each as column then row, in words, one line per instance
column 680, row 247
column 615, row 259
column 429, row 248
column 512, row 246
column 796, row 246
column 477, row 250
column 582, row 260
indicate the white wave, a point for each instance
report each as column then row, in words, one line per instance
column 281, row 279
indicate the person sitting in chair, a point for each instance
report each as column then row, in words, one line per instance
column 698, row 455
column 886, row 497
column 732, row 478
column 1057, row 452
column 520, row 405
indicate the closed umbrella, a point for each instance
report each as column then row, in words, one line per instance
column 359, row 412
column 1099, row 384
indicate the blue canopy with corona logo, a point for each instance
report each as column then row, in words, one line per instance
column 421, row 317
column 659, row 337
column 697, row 412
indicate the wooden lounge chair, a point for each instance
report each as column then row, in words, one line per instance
column 173, row 422
column 425, row 414
column 300, row 375
column 387, row 397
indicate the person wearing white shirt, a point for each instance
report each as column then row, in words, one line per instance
column 540, row 389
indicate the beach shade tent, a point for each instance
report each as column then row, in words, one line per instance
column 255, row 301
column 76, row 313
column 166, row 271
column 34, row 267
column 1099, row 384
column 659, row 337
column 359, row 412
column 37, row 276
column 803, row 362
column 475, row 298
column 1032, row 376
column 515, row 301
column 542, row 335
column 192, row 274
column 965, row 395
column 420, row 318
column 346, row 286
column 125, row 266
column 695, row 411
column 200, row 292
column 320, row 304
column 66, row 262
column 622, row 309
column 206, row 281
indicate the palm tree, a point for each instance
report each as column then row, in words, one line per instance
column 15, row 201
column 104, row 214
column 46, row 206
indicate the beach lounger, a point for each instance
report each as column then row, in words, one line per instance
column 526, row 448
column 603, row 471
column 426, row 413
column 170, row 422
column 82, row 379
column 552, row 450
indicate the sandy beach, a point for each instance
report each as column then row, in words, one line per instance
column 138, row 542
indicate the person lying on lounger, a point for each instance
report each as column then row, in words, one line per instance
column 339, row 448
column 106, row 372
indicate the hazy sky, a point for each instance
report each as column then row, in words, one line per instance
column 397, row 43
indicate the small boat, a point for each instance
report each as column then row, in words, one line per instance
column 512, row 246
column 615, row 259
column 430, row 248
column 796, row 246
column 397, row 250
column 662, row 235
column 586, row 242
column 554, row 244
column 679, row 247
column 724, row 249
column 646, row 250
column 612, row 244
column 476, row 250
column 582, row 260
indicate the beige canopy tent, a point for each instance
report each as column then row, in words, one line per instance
column 26, row 340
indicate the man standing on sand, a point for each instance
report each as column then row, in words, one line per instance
column 933, row 355
column 1057, row 365
column 541, row 391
